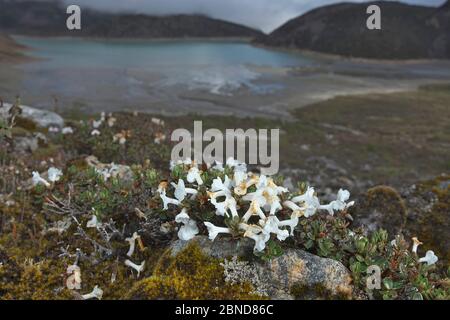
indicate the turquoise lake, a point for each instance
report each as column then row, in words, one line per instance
column 187, row 76
column 217, row 66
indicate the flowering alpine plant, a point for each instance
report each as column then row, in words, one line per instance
column 244, row 204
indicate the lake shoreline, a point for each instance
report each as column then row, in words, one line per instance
column 336, row 57
column 13, row 52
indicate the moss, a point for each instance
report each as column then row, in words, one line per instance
column 26, row 124
column 31, row 266
column 189, row 275
column 31, row 280
column 47, row 151
column 19, row 132
column 386, row 202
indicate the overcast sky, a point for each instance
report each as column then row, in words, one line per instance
column 261, row 14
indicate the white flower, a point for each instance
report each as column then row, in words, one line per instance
column 67, row 130
column 93, row 223
column 218, row 185
column 340, row 203
column 260, row 238
column 132, row 242
column 228, row 206
column 218, row 166
column 181, row 191
column 295, row 208
column 166, row 200
column 213, row 231
column 95, row 132
column 37, row 179
column 194, row 176
column 240, row 183
column 53, row 129
column 310, row 202
column 238, row 166
column 162, row 187
column 96, row 293
column 158, row 122
column 97, row 124
column 111, row 121
column 54, row 174
column 266, row 194
column 416, row 244
column 159, row 137
column 254, row 209
column 304, row 197
column 271, row 225
column 189, row 229
column 311, row 206
column 105, row 173
column 73, row 281
column 430, row 258
column 219, row 188
column 120, row 137
column 291, row 223
column 138, row 267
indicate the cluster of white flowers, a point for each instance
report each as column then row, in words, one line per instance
column 107, row 172
column 230, row 196
column 53, row 175
column 67, row 130
column 108, row 119
column 122, row 136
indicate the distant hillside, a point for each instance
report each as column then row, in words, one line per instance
column 440, row 21
column 408, row 31
column 49, row 19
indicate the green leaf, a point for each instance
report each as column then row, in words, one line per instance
column 388, row 283
column 309, row 244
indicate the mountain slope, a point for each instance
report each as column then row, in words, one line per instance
column 440, row 21
column 49, row 19
column 406, row 33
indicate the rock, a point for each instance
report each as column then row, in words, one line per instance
column 220, row 248
column 42, row 118
column 295, row 274
column 305, row 275
column 26, row 144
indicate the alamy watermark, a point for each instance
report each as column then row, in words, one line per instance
column 255, row 147
column 73, row 22
column 374, row 20
column 373, row 281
